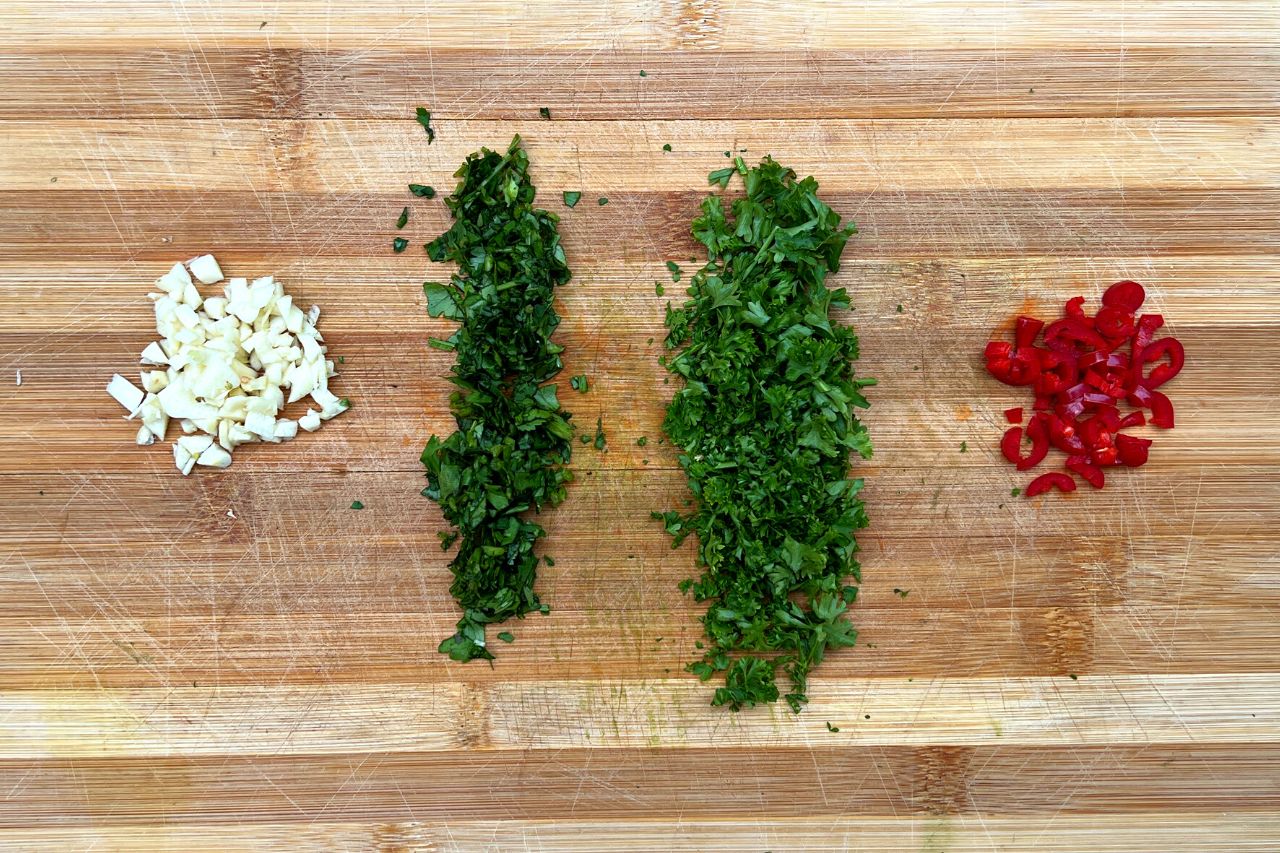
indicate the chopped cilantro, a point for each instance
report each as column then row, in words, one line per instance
column 642, row 74
column 506, row 636
column 765, row 422
column 659, row 289
column 602, row 201
column 901, row 593
column 422, row 190
column 642, row 441
column 579, row 383
column 674, row 269
column 600, row 440
column 357, row 505
column 545, row 113
column 1015, row 491
column 571, row 198
column 964, row 447
column 666, row 146
column 398, row 244
column 404, row 218
column 832, row 728
column 899, row 307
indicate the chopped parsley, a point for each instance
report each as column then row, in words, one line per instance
column 642, row 74
column 642, row 441
column 404, row 218
column 357, row 505
column 899, row 307
column 832, row 728
column 602, row 201
column 765, row 421
column 579, row 383
column 901, row 593
column 508, row 456
column 600, row 440
column 659, row 289
column 674, row 269
column 964, row 447
column 666, row 146
column 545, row 113
column 1015, row 491
column 571, row 198
column 507, row 637
column 422, row 190
column 424, row 119
column 398, row 244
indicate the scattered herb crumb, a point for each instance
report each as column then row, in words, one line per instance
column 832, row 728
column 666, row 146
column 398, row 244
column 424, row 119
column 422, row 190
column 602, row 201
column 548, row 560
column 600, row 441
column 866, row 716
column 357, row 505
column 964, row 447
column 1015, row 491
column 899, row 307
column 659, row 289
column 642, row 74
column 901, row 593
column 506, row 636
column 642, row 441
column 579, row 383
column 1073, row 676
column 674, row 269
column 545, row 113
column 571, row 198
column 650, row 341
column 404, row 218
column 342, row 359
column 584, row 438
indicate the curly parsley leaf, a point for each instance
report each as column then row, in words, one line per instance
column 765, row 422
column 507, row 459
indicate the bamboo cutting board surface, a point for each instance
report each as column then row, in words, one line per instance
column 236, row 660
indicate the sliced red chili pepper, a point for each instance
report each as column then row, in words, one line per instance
column 1021, row 368
column 1025, row 330
column 1075, row 308
column 1057, row 371
column 1148, row 325
column 1114, row 324
column 1125, row 295
column 1013, row 416
column 1132, row 450
column 1071, row 336
column 1091, row 474
column 1140, row 395
column 1063, row 435
column 1041, row 404
column 998, row 349
column 1133, row 419
column 1103, row 359
column 1161, row 410
column 1011, row 446
column 1162, row 373
column 1105, row 455
column 1045, row 482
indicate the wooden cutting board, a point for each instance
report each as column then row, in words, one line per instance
column 237, row 660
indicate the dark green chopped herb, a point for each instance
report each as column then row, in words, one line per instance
column 666, row 146
column 571, row 198
column 1015, row 491
column 357, row 505
column 584, row 438
column 602, row 201
column 901, row 593
column 506, row 637
column 659, row 289
column 579, row 383
column 422, row 190
column 547, row 559
column 674, row 269
column 398, row 245
column 964, row 447
column 644, row 461
column 344, row 403
column 642, row 441
column 765, row 423
column 642, row 74
column 600, row 440
column 404, row 218
column 832, row 728
column 899, row 307
column 728, row 153
column 545, row 113
column 507, row 459
column 424, row 119
column 721, row 176
column 342, row 359
column 866, row 716
column 1073, row 676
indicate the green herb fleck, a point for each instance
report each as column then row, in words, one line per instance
column 404, row 218
column 579, row 383
column 506, row 636
column 548, row 560
column 659, row 289
column 901, row 593
column 424, row 119
column 600, row 441
column 545, row 112
column 571, row 198
column 344, row 403
column 674, row 269
column 832, row 728
column 899, row 307
column 398, row 244
column 422, row 190
column 765, row 422
column 642, row 74
column 513, row 439
column 666, row 146
column 964, row 447
column 342, row 359
column 1073, row 676
column 1015, row 491
column 602, row 201
column 357, row 505
column 642, row 441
